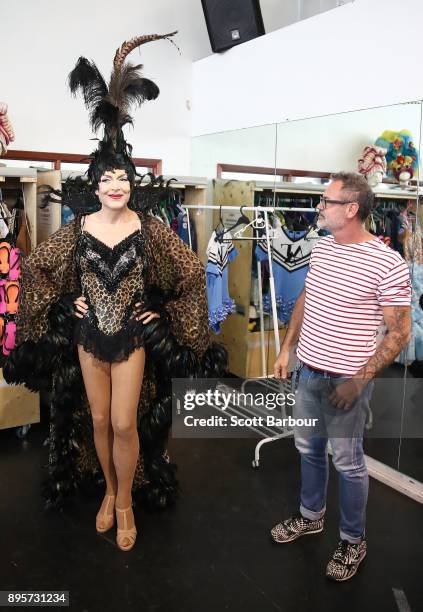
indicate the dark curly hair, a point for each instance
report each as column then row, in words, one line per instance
column 107, row 159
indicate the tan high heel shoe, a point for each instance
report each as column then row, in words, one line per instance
column 125, row 533
column 105, row 521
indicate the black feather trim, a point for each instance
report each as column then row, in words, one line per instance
column 162, row 489
column 128, row 88
column 29, row 364
column 416, row 369
column 76, row 193
column 155, row 298
column 87, row 78
column 105, row 114
column 215, row 361
column 142, row 90
column 33, row 364
column 186, row 363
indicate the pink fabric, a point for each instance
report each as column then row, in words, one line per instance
column 9, row 337
column 12, row 292
column 14, row 264
column 3, row 147
column 5, row 134
column 6, row 128
column 4, row 257
column 2, row 297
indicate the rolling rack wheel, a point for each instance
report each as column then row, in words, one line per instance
column 22, row 432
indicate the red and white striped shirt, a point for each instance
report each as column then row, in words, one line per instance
column 346, row 287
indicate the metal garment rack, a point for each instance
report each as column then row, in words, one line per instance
column 265, row 379
column 385, row 474
column 255, row 209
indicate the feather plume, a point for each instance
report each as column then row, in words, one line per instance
column 87, row 78
column 132, row 44
column 105, row 114
column 110, row 105
column 128, row 88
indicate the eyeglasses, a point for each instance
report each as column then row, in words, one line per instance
column 325, row 201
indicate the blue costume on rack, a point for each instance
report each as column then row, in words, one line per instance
column 220, row 303
column 291, row 252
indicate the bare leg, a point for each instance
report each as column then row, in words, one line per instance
column 126, row 379
column 97, row 381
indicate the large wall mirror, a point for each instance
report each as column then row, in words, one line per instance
column 410, row 456
column 235, row 164
column 287, row 166
column 337, row 142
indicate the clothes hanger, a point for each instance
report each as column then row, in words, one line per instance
column 220, row 228
column 243, row 220
column 258, row 223
column 173, row 198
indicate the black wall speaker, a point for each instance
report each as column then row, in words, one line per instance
column 232, row 22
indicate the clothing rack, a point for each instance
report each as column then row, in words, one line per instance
column 265, row 210
column 272, row 382
column 269, row 209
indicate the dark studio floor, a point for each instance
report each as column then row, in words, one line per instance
column 211, row 552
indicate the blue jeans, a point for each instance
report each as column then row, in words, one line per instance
column 344, row 430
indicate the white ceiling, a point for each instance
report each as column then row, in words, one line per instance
column 188, row 17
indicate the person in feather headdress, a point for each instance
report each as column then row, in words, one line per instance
column 110, row 303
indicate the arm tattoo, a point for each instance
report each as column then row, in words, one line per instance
column 398, row 321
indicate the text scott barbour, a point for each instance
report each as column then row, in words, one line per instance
column 256, row 421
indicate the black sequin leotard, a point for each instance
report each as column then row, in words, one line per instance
column 112, row 281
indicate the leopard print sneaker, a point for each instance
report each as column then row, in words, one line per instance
column 295, row 527
column 346, row 559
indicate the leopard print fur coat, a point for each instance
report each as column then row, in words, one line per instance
column 44, row 354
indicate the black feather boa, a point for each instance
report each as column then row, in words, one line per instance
column 171, row 360
column 33, row 364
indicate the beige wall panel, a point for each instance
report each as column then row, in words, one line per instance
column 48, row 218
column 195, row 196
column 18, row 406
column 234, row 337
column 235, row 328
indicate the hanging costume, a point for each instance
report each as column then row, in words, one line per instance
column 219, row 256
column 183, row 232
column 152, row 266
column 291, row 251
column 413, row 254
column 7, row 135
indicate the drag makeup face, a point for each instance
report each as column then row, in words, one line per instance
column 114, row 189
column 335, row 208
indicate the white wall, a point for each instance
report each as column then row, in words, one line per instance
column 283, row 74
column 325, row 144
column 40, row 44
column 333, row 62
column 276, row 14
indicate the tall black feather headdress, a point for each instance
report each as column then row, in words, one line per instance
column 109, row 107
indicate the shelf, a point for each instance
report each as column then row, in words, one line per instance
column 25, row 175
column 197, row 182
column 391, row 190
